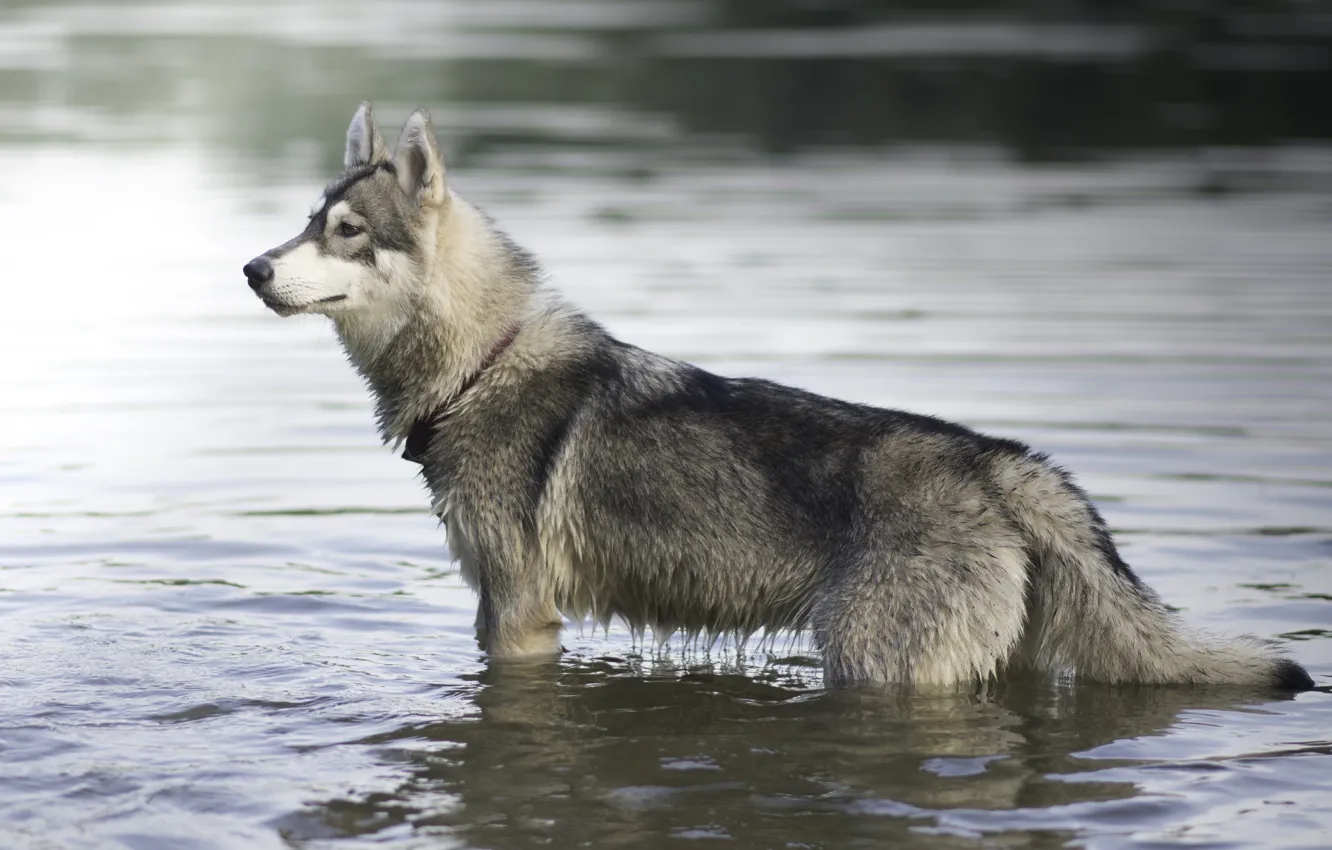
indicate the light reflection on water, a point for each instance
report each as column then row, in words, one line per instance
column 229, row 621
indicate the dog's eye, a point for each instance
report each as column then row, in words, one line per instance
column 347, row 230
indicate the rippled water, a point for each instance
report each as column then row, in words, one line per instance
column 227, row 619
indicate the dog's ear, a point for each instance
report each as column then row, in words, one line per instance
column 364, row 144
column 420, row 168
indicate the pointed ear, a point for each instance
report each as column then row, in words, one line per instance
column 364, row 144
column 420, row 168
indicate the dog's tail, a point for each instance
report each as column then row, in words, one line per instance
column 1090, row 612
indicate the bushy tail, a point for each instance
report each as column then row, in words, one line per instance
column 1090, row 612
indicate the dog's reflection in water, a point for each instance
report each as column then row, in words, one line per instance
column 605, row 752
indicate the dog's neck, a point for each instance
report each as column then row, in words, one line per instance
column 459, row 313
column 422, row 430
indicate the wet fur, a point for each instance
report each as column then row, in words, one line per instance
column 581, row 476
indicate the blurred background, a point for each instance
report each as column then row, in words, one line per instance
column 1041, row 81
column 1101, row 227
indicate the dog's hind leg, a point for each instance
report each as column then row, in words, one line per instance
column 941, row 615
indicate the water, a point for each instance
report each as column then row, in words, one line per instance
column 227, row 619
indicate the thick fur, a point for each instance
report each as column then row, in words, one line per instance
column 581, row 476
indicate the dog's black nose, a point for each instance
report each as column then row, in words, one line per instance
column 258, row 272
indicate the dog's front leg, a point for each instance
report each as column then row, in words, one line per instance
column 480, row 626
column 514, row 622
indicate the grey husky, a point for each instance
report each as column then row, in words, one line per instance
column 581, row 476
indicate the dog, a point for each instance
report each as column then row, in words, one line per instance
column 580, row 476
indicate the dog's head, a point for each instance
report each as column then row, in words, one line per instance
column 367, row 236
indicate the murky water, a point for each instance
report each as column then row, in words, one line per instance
column 227, row 619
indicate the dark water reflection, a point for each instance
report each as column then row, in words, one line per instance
column 228, row 621
column 601, row 753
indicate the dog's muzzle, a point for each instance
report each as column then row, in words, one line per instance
column 258, row 272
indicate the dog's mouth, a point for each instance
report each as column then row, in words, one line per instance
column 279, row 307
column 284, row 309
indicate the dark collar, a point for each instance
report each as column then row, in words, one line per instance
column 418, row 438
